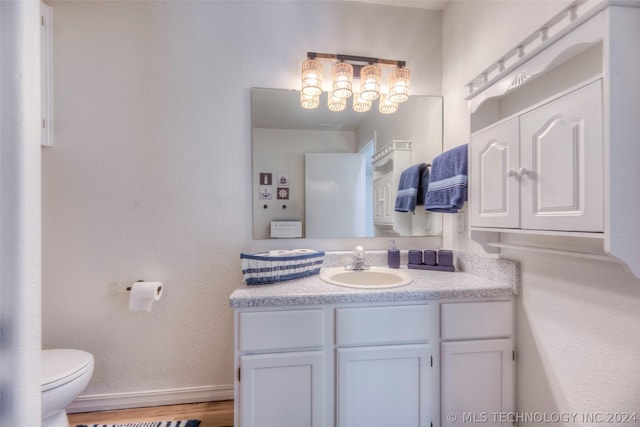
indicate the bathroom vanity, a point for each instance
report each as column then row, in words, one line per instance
column 308, row 353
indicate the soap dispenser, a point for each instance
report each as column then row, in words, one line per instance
column 393, row 256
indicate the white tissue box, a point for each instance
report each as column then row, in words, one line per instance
column 286, row 229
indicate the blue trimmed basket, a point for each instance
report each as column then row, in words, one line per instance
column 278, row 266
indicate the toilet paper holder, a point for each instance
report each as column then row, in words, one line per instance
column 129, row 287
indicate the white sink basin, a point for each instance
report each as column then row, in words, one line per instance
column 374, row 278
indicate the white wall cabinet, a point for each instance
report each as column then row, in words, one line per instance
column 571, row 90
column 382, row 197
column 478, row 367
column 388, row 164
column 368, row 365
column 542, row 170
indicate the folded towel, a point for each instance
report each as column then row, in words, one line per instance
column 448, row 181
column 412, row 188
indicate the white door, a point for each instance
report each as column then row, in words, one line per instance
column 331, row 195
column 477, row 382
column 494, row 187
column 384, row 386
column 283, row 389
column 562, row 156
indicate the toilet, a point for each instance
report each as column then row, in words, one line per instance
column 65, row 374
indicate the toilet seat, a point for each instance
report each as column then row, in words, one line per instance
column 60, row 366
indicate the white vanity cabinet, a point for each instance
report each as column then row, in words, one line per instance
column 478, row 366
column 280, row 368
column 373, row 364
column 384, row 366
column 542, row 170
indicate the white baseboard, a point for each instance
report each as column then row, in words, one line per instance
column 138, row 399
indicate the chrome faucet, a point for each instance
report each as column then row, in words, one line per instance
column 359, row 260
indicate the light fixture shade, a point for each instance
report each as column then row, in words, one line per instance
column 312, row 77
column 336, row 104
column 399, row 85
column 370, row 82
column 309, row 101
column 342, row 80
column 386, row 106
column 361, row 105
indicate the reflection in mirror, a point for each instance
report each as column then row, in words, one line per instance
column 321, row 174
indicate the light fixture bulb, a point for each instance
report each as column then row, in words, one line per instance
column 399, row 85
column 312, row 77
column 342, row 80
column 336, row 104
column 370, row 82
column 361, row 105
column 386, row 106
column 309, row 101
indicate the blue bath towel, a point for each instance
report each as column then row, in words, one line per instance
column 412, row 188
column 448, row 181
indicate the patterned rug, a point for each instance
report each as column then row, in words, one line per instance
column 181, row 423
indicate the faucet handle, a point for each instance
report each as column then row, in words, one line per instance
column 358, row 252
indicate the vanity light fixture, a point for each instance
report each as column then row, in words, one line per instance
column 386, row 106
column 309, row 101
column 311, row 78
column 360, row 104
column 344, row 70
column 336, row 104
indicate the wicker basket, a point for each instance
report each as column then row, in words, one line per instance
column 278, row 266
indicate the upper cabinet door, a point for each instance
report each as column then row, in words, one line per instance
column 562, row 162
column 494, row 187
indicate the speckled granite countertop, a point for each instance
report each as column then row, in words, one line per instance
column 475, row 277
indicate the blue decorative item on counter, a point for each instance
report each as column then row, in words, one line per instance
column 415, row 257
column 444, row 260
column 393, row 256
column 430, row 257
column 280, row 265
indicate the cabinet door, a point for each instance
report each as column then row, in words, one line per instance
column 384, row 205
column 477, row 381
column 494, row 188
column 562, row 153
column 384, row 386
column 283, row 389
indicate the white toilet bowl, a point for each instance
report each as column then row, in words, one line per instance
column 65, row 374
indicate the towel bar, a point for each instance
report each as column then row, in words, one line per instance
column 564, row 252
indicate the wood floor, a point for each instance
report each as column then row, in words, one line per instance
column 212, row 414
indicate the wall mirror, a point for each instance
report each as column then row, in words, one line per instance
column 323, row 174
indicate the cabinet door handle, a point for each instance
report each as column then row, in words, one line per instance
column 511, row 173
column 523, row 172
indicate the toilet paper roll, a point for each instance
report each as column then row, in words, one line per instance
column 280, row 252
column 143, row 295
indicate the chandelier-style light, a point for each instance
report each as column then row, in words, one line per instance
column 342, row 87
column 386, row 106
column 336, row 104
column 399, row 85
column 361, row 105
column 312, row 77
column 342, row 80
column 309, row 101
column 370, row 77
